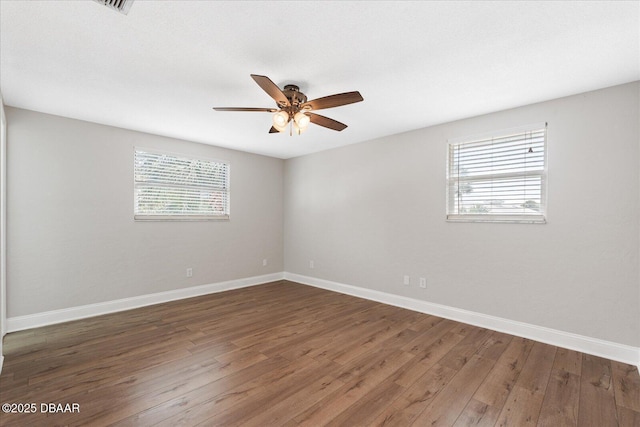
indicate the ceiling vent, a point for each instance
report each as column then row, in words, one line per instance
column 121, row 6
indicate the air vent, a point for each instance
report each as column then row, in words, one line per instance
column 121, row 6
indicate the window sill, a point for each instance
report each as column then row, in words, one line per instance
column 504, row 219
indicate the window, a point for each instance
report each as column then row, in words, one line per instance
column 499, row 178
column 176, row 187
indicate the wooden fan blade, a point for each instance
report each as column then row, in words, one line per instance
column 268, row 110
column 326, row 122
column 334, row 100
column 272, row 89
column 273, row 130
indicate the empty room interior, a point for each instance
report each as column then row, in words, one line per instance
column 310, row 213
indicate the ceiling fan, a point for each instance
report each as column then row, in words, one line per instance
column 294, row 108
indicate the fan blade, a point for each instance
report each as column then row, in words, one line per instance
column 326, row 122
column 268, row 110
column 272, row 89
column 273, row 130
column 334, row 100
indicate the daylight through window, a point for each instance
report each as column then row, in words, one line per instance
column 176, row 187
column 500, row 178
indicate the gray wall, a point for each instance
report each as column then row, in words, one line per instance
column 366, row 214
column 369, row 213
column 72, row 239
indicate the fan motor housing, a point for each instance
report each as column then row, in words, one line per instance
column 293, row 94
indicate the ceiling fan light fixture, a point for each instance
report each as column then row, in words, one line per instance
column 280, row 120
column 280, row 128
column 302, row 120
column 298, row 130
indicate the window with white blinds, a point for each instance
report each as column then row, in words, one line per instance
column 500, row 178
column 175, row 187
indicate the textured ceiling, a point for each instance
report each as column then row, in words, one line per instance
column 161, row 68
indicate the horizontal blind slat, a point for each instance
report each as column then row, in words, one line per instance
column 497, row 176
column 171, row 185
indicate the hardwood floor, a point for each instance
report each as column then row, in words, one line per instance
column 285, row 354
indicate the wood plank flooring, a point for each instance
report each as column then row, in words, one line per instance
column 285, row 354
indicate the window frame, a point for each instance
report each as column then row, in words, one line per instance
column 182, row 217
column 540, row 218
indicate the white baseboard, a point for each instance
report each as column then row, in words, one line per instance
column 19, row 323
column 607, row 349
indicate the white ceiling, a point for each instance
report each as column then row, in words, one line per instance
column 161, row 68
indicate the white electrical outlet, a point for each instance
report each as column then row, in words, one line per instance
column 189, row 272
column 312, row 264
column 264, row 262
column 423, row 282
column 407, row 280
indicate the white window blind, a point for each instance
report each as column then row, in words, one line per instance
column 176, row 187
column 498, row 179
